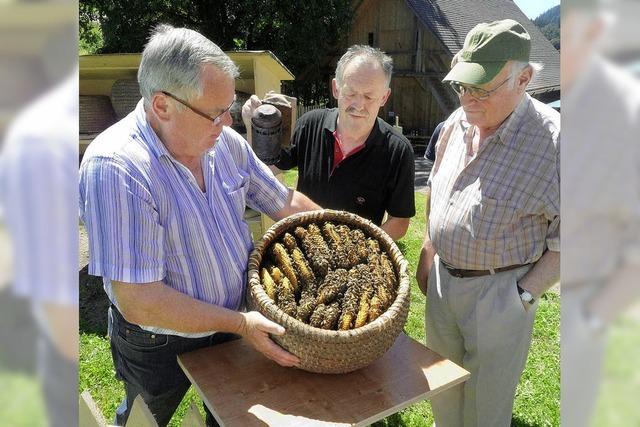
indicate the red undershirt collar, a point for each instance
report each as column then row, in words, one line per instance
column 338, row 154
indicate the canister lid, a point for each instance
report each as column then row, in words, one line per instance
column 266, row 116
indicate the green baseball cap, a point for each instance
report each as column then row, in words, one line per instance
column 487, row 49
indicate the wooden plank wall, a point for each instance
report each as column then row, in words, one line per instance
column 397, row 31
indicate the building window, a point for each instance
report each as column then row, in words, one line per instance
column 371, row 39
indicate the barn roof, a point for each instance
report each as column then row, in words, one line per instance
column 451, row 20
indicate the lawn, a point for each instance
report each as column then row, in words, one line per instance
column 538, row 395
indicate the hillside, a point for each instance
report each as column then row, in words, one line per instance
column 549, row 24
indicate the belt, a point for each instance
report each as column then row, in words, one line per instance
column 461, row 273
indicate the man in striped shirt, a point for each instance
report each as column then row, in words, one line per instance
column 492, row 244
column 162, row 196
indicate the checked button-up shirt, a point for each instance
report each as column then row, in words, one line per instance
column 502, row 206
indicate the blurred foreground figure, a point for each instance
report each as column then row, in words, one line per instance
column 38, row 198
column 38, row 193
column 600, row 202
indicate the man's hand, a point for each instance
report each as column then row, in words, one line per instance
column 427, row 253
column 297, row 202
column 247, row 111
column 425, row 263
column 256, row 328
column 254, row 102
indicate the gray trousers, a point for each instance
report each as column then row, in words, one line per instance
column 480, row 324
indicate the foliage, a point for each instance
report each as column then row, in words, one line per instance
column 294, row 31
column 549, row 24
column 90, row 33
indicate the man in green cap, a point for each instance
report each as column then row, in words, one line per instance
column 492, row 245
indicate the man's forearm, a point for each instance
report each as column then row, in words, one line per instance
column 156, row 304
column 427, row 253
column 62, row 323
column 396, row 228
column 544, row 274
column 297, row 202
column 275, row 170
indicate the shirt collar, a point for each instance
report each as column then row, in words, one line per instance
column 509, row 127
column 150, row 137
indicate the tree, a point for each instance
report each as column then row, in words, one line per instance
column 299, row 33
column 549, row 24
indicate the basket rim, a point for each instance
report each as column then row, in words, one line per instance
column 303, row 218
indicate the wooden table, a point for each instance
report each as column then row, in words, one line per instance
column 243, row 388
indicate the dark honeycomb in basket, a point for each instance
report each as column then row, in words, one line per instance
column 329, row 276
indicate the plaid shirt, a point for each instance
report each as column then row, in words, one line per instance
column 502, row 208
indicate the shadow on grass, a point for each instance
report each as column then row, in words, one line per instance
column 93, row 304
column 517, row 422
column 402, row 246
column 395, row 420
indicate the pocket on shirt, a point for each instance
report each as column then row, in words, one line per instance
column 234, row 182
column 238, row 200
column 491, row 219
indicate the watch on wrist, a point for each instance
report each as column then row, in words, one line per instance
column 525, row 296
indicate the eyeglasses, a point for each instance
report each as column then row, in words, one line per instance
column 216, row 120
column 475, row 92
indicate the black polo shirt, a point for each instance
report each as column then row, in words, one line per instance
column 378, row 178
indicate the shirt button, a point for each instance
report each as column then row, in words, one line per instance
column 153, row 336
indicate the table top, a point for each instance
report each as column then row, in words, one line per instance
column 241, row 387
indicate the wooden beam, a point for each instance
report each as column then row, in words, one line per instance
column 88, row 413
column 140, row 415
column 428, row 86
column 192, row 418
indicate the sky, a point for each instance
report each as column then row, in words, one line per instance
column 533, row 8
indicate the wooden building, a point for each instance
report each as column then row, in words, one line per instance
column 422, row 36
column 109, row 88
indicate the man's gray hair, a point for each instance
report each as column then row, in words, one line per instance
column 518, row 67
column 364, row 53
column 172, row 61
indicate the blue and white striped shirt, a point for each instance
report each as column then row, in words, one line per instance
column 147, row 220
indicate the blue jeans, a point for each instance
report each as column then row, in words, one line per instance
column 147, row 364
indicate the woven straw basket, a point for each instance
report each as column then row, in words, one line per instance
column 324, row 351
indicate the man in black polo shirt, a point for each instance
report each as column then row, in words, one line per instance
column 348, row 158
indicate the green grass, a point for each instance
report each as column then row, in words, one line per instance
column 22, row 403
column 618, row 396
column 98, row 376
column 538, row 395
